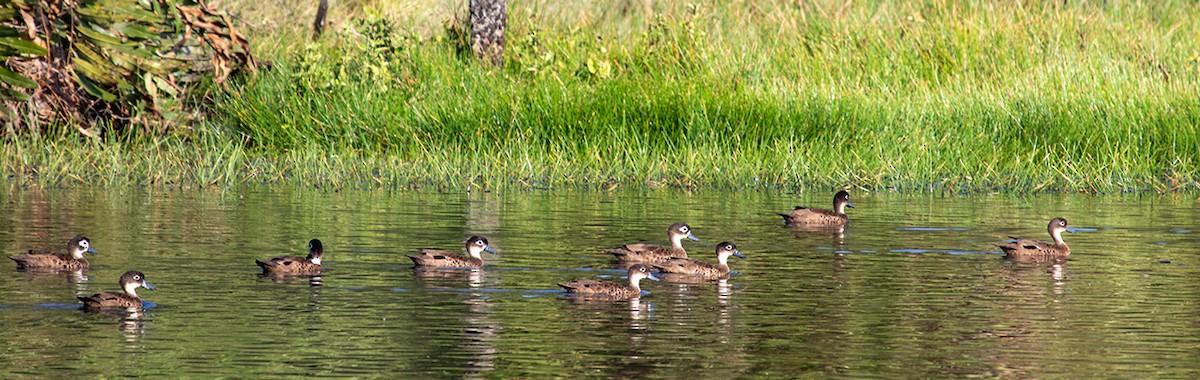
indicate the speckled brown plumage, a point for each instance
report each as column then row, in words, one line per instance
column 72, row 260
column 818, row 216
column 442, row 259
column 702, row 269
column 129, row 281
column 653, row 253
column 612, row 290
column 1029, row 249
column 293, row 265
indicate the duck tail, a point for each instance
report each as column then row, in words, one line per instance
column 265, row 265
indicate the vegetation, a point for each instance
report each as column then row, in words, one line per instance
column 954, row 95
column 123, row 62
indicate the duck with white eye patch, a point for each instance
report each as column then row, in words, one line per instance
column 810, row 216
column 293, row 265
column 678, row 268
column 433, row 258
column 601, row 289
column 72, row 260
column 1029, row 249
column 129, row 281
column 653, row 253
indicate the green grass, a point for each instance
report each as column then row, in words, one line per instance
column 945, row 95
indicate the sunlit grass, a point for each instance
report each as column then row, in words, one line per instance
column 940, row 95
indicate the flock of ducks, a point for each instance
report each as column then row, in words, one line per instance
column 643, row 261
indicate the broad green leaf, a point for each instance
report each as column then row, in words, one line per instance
column 8, row 93
column 94, row 32
column 134, row 31
column 92, row 88
column 94, row 72
column 13, row 79
column 22, row 46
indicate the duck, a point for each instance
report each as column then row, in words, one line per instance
column 654, row 253
column 293, row 265
column 129, row 281
column 818, row 216
column 72, row 260
column 612, row 290
column 702, row 269
column 1033, row 249
column 441, row 259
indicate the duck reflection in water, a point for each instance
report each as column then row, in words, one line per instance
column 132, row 326
column 811, row 231
column 480, row 335
column 313, row 281
column 1031, row 316
column 449, row 278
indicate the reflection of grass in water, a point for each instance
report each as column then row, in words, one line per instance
column 953, row 95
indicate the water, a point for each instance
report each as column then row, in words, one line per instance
column 913, row 288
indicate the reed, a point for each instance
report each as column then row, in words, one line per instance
column 941, row 95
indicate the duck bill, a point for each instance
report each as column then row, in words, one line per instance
column 147, row 285
column 652, row 277
column 1071, row 229
column 738, row 254
column 850, row 205
column 92, row 251
column 489, row 249
column 692, row 237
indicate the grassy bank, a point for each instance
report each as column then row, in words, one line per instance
column 946, row 95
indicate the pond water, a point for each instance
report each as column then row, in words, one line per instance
column 912, row 288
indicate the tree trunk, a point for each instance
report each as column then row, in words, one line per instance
column 319, row 22
column 488, row 20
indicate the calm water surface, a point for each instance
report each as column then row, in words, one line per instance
column 913, row 288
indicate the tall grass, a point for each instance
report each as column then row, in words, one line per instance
column 958, row 95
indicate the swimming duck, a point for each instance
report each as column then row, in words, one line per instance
column 73, row 260
column 702, row 269
column 612, row 290
column 130, row 281
column 654, row 253
column 292, row 265
column 1029, row 248
column 441, row 259
column 818, row 216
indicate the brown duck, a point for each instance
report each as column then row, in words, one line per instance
column 612, row 290
column 442, row 259
column 292, row 265
column 654, row 253
column 818, row 216
column 72, row 260
column 702, row 269
column 1034, row 249
column 130, row 281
